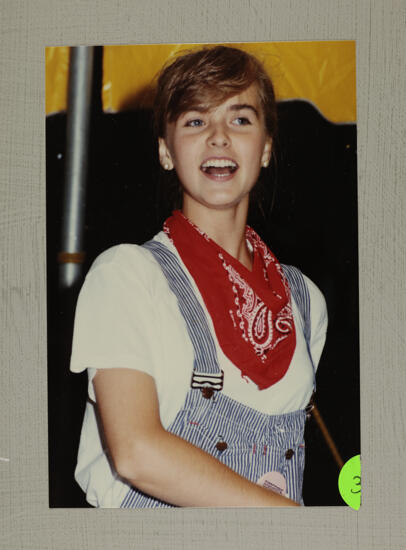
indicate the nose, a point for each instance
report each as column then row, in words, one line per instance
column 218, row 136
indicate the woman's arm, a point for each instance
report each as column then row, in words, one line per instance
column 159, row 463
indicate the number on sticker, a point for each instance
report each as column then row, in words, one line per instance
column 357, row 485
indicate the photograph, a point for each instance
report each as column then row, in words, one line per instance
column 202, row 274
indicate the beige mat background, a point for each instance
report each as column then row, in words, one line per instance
column 27, row 27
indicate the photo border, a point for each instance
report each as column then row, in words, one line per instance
column 25, row 519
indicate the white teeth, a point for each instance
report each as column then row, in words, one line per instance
column 219, row 163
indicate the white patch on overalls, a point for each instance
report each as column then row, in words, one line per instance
column 274, row 481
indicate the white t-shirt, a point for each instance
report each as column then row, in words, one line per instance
column 127, row 317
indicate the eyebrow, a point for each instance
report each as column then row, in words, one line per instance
column 194, row 108
column 235, row 107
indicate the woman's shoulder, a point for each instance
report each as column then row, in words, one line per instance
column 126, row 263
column 318, row 306
column 294, row 275
column 121, row 255
column 314, row 290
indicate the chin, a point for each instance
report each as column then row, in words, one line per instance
column 223, row 203
column 215, row 201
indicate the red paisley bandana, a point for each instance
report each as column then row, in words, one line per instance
column 251, row 311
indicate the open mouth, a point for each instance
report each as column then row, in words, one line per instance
column 219, row 168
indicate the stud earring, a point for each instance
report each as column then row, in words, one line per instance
column 265, row 164
column 166, row 166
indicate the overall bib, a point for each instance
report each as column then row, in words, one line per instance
column 249, row 442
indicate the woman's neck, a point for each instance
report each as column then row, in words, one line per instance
column 226, row 227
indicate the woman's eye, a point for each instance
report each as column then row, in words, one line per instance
column 241, row 121
column 195, row 122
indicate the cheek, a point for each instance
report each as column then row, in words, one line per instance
column 256, row 152
column 182, row 160
column 179, row 151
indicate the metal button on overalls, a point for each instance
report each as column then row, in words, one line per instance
column 289, row 453
column 221, row 446
column 207, row 392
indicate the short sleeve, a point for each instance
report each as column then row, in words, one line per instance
column 319, row 321
column 115, row 321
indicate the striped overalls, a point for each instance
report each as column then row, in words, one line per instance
column 249, row 442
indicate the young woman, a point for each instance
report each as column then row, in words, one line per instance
column 200, row 347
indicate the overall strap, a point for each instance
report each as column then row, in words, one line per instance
column 206, row 370
column 300, row 293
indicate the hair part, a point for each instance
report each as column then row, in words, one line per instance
column 206, row 78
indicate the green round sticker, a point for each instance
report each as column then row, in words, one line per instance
column 349, row 482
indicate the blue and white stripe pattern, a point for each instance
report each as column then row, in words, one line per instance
column 247, row 441
column 205, row 360
column 300, row 293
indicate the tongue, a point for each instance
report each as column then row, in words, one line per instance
column 216, row 171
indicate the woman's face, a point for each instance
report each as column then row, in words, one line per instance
column 218, row 154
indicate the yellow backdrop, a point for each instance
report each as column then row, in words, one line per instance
column 320, row 72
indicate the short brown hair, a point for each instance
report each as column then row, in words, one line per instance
column 207, row 77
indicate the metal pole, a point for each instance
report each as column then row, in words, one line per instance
column 77, row 138
column 326, row 434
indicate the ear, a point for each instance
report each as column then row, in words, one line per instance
column 164, row 155
column 266, row 155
